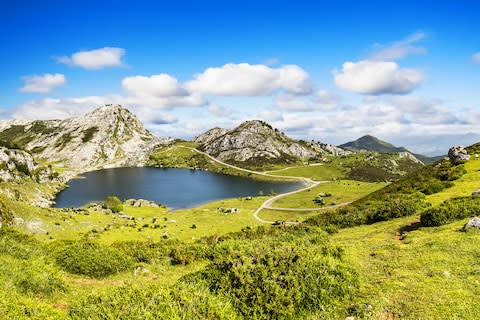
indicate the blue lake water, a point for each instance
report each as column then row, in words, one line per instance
column 175, row 188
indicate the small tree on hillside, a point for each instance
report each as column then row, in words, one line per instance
column 113, row 203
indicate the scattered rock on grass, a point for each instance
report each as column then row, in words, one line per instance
column 472, row 223
column 458, row 154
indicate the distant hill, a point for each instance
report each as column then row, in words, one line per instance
column 371, row 143
column 256, row 142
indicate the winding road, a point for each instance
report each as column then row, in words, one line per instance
column 268, row 203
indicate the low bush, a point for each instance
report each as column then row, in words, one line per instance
column 268, row 279
column 91, row 259
column 32, row 276
column 183, row 301
column 404, row 197
column 16, row 306
column 113, row 203
column 450, row 211
column 18, row 245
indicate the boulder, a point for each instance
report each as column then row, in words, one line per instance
column 476, row 193
column 472, row 223
column 458, row 154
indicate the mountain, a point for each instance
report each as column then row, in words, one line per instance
column 256, row 142
column 210, row 135
column 17, row 164
column 371, row 143
column 109, row 136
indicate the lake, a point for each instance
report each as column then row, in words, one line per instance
column 175, row 188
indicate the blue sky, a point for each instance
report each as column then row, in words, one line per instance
column 405, row 71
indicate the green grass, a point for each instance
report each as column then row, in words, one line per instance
column 405, row 278
column 318, row 172
column 292, row 216
column 342, row 191
column 462, row 187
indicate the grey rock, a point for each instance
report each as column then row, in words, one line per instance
column 476, row 193
column 458, row 154
column 472, row 223
column 210, row 135
column 109, row 136
column 257, row 141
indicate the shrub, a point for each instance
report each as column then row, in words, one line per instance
column 450, row 211
column 16, row 306
column 278, row 280
column 188, row 253
column 113, row 203
column 31, row 276
column 180, row 302
column 18, row 245
column 91, row 259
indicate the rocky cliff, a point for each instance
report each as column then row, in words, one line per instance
column 256, row 142
column 109, row 136
column 18, row 164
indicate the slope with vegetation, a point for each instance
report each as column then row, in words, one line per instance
column 399, row 250
column 371, row 143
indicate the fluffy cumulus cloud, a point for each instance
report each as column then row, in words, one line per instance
column 159, row 91
column 476, row 58
column 377, row 77
column 95, row 59
column 321, row 100
column 271, row 115
column 251, row 80
column 399, row 49
column 42, row 84
column 219, row 111
column 49, row 108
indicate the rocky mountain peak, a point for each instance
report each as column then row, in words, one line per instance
column 254, row 142
column 109, row 136
column 210, row 135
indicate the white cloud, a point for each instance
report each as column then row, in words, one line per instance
column 159, row 91
column 377, row 77
column 160, row 85
column 42, row 84
column 399, row 49
column 322, row 100
column 251, row 80
column 270, row 115
column 219, row 111
column 95, row 59
column 48, row 108
column 476, row 58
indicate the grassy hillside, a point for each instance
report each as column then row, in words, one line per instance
column 370, row 260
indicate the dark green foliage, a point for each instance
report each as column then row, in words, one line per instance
column 89, row 133
column 278, row 276
column 402, row 198
column 113, row 203
column 183, row 301
column 91, row 259
column 9, row 144
column 64, row 139
column 11, row 133
column 21, row 167
column 188, row 253
column 371, row 173
column 450, row 211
